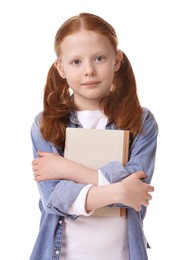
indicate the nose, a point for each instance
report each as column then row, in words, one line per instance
column 89, row 69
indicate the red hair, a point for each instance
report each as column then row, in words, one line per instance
column 122, row 106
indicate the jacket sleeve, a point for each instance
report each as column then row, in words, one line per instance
column 56, row 195
column 142, row 153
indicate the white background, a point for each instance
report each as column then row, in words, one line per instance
column 154, row 35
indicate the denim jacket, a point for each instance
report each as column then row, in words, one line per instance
column 56, row 196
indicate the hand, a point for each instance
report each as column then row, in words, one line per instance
column 52, row 166
column 133, row 192
column 48, row 167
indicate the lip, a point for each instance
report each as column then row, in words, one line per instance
column 90, row 83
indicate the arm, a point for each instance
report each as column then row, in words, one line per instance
column 131, row 191
column 115, row 172
column 56, row 196
column 142, row 158
column 51, row 166
column 142, row 153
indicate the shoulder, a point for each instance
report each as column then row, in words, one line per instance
column 149, row 125
column 37, row 119
column 146, row 113
column 148, row 117
column 35, row 126
column 37, row 139
column 149, row 131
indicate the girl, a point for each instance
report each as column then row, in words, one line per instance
column 103, row 95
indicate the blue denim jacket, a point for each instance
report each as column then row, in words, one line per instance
column 56, row 196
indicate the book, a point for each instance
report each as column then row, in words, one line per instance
column 95, row 148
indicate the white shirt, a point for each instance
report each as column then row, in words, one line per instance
column 93, row 237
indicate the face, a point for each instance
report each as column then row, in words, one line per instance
column 88, row 62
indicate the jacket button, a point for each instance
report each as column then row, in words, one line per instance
column 57, row 252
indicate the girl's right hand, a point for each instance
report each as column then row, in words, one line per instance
column 51, row 166
column 133, row 192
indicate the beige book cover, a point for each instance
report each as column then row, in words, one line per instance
column 94, row 148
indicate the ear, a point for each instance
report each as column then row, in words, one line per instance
column 59, row 68
column 119, row 57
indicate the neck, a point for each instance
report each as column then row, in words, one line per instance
column 87, row 105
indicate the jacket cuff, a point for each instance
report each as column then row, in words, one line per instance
column 78, row 207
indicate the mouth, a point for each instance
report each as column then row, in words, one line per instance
column 91, row 83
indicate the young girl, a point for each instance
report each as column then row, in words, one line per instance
column 103, row 96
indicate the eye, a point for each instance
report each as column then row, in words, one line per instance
column 76, row 62
column 99, row 58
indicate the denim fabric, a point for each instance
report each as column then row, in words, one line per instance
column 57, row 196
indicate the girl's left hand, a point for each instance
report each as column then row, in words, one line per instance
column 49, row 166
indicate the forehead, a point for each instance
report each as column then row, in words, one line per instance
column 85, row 40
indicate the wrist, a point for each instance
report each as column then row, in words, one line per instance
column 101, row 196
column 79, row 173
column 117, row 192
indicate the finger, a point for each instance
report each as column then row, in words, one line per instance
column 150, row 188
column 141, row 174
column 145, row 202
column 35, row 167
column 148, row 197
column 34, row 176
column 35, row 173
column 37, row 178
column 42, row 154
column 137, row 208
column 34, row 162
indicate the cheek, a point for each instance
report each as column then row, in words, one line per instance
column 73, row 80
column 69, row 74
column 109, row 72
